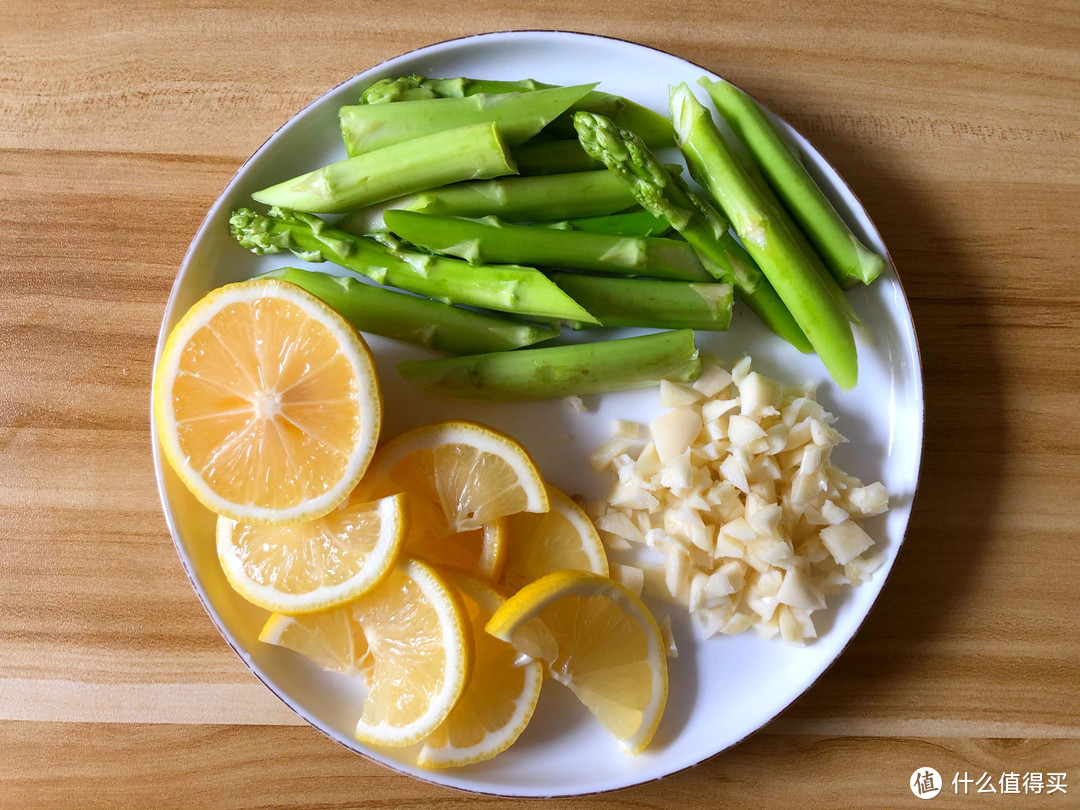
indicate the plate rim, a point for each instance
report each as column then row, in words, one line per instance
column 159, row 462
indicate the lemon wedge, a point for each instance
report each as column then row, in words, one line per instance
column 498, row 700
column 334, row 640
column 599, row 640
column 316, row 565
column 417, row 636
column 561, row 539
column 266, row 403
column 460, row 478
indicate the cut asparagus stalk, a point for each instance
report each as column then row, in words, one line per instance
column 511, row 199
column 400, row 316
column 468, row 153
column 766, row 237
column 632, row 223
column 652, row 127
column 656, row 304
column 553, row 157
column 847, row 258
column 663, row 195
column 520, row 290
column 558, row 371
column 490, row 240
column 367, row 127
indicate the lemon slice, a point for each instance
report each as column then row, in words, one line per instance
column 498, row 700
column 418, row 639
column 316, row 565
column 459, row 477
column 266, row 403
column 334, row 640
column 598, row 639
column 558, row 540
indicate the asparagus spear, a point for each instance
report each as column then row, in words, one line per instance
column 632, row 223
column 467, row 153
column 656, row 304
column 651, row 126
column 847, row 258
column 409, row 318
column 520, row 290
column 582, row 368
column 491, row 240
column 663, row 195
column 553, row 157
column 767, row 238
column 367, row 127
column 512, row 199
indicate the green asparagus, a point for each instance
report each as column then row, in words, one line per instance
column 512, row 199
column 849, row 260
column 553, row 157
column 632, row 223
column 663, row 195
column 582, row 368
column 491, row 240
column 768, row 240
column 367, row 127
column 651, row 126
column 467, row 153
column 656, row 304
column 409, row 318
column 520, row 290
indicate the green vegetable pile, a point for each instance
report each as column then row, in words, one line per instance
column 504, row 211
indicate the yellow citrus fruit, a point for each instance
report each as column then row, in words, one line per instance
column 598, row 639
column 475, row 552
column 334, row 640
column 499, row 698
column 560, row 539
column 418, row 639
column 408, row 639
column 267, row 403
column 459, row 477
column 316, row 565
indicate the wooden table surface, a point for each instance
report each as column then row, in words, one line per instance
column 957, row 124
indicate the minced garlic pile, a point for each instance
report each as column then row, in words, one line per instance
column 733, row 490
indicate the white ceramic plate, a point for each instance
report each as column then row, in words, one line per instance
column 722, row 689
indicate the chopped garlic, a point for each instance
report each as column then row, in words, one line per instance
column 674, row 432
column 621, row 429
column 628, row 575
column 674, row 395
column 577, row 403
column 670, row 650
column 738, row 494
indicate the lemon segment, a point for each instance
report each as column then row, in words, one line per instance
column 266, row 403
column 316, row 565
column 599, row 640
column 558, row 540
column 463, row 475
column 498, row 700
column 417, row 636
column 333, row 640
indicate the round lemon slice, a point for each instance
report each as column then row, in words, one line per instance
column 459, row 477
column 558, row 540
column 316, row 565
column 598, row 639
column 498, row 700
column 417, row 636
column 267, row 403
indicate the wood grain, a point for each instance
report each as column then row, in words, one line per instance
column 957, row 124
